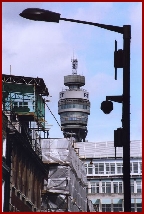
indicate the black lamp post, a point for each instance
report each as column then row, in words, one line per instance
column 122, row 60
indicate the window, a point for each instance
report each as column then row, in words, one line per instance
column 139, row 187
column 112, row 168
column 117, row 207
column 139, row 207
column 106, row 187
column 103, row 187
column 96, row 168
column 118, row 187
column 119, row 168
column 107, row 168
column 101, row 168
column 132, row 207
column 115, row 187
column 132, row 186
column 95, row 187
column 15, row 104
column 130, row 167
column 140, row 167
column 90, row 169
column 26, row 104
column 135, row 167
column 20, row 104
column 106, row 207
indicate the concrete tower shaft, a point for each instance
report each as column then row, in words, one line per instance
column 74, row 107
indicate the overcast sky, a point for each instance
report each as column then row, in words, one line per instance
column 45, row 50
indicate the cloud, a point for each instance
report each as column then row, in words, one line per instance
column 31, row 52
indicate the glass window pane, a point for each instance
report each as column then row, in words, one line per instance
column 117, row 207
column 20, row 104
column 132, row 207
column 106, row 207
column 26, row 104
column 107, row 168
column 115, row 187
column 96, row 168
column 108, row 187
column 103, row 187
column 130, row 167
column 112, row 165
column 135, row 167
column 139, row 187
column 103, row 208
column 119, row 168
column 132, row 186
column 139, row 207
column 101, row 168
column 90, row 169
column 120, row 187
column 94, row 187
column 15, row 104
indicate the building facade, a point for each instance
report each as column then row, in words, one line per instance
column 23, row 122
column 105, row 175
column 5, row 167
column 65, row 188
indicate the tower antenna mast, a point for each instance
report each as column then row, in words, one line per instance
column 74, row 66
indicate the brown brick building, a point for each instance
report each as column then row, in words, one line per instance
column 23, row 122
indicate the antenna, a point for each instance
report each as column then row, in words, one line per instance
column 74, row 66
column 10, row 69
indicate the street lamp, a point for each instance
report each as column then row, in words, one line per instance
column 121, row 60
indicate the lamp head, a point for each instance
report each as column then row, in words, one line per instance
column 38, row 14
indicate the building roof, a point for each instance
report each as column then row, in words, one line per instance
column 107, row 150
column 39, row 82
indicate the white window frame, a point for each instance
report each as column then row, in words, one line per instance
column 119, row 183
column 95, row 186
column 138, row 184
column 120, row 166
column 104, row 186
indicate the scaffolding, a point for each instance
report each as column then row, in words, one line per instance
column 23, row 96
column 24, row 104
column 65, row 189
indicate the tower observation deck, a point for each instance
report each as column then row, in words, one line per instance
column 74, row 105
